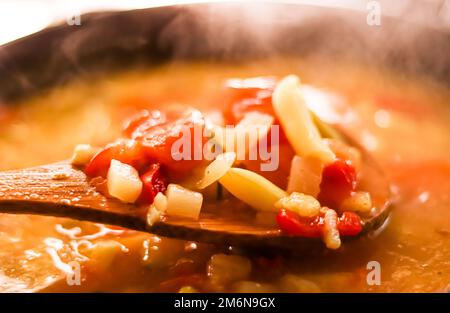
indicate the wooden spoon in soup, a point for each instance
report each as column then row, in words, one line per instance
column 179, row 173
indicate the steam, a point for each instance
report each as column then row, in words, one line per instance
column 233, row 31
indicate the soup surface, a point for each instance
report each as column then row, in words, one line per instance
column 403, row 122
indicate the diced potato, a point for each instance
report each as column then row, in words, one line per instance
column 153, row 215
column 123, row 182
column 160, row 202
column 82, row 154
column 294, row 283
column 330, row 231
column 157, row 209
column 297, row 122
column 253, row 189
column 305, row 175
column 223, row 269
column 303, row 205
column 183, row 202
column 216, row 169
column 104, row 252
column 359, row 201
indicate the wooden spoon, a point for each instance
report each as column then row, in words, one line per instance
column 60, row 190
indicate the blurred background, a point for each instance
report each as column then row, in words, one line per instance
column 19, row 18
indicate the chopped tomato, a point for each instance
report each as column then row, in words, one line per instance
column 153, row 181
column 142, row 121
column 246, row 95
column 125, row 151
column 165, row 143
column 250, row 95
column 154, row 140
column 338, row 181
column 349, row 224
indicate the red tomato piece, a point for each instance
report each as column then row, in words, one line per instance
column 293, row 224
column 246, row 95
column 142, row 121
column 338, row 181
column 153, row 181
column 125, row 151
column 349, row 224
column 250, row 95
column 159, row 143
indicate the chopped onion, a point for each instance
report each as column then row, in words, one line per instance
column 305, row 175
column 183, row 202
column 216, row 169
column 330, row 230
column 303, row 205
column 296, row 120
column 253, row 189
column 82, row 154
column 123, row 182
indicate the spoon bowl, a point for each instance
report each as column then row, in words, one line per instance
column 61, row 190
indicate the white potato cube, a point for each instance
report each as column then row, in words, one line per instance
column 123, row 182
column 183, row 202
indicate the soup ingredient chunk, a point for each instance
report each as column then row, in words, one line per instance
column 183, row 202
column 123, row 182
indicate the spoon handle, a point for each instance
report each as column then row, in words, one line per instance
column 60, row 190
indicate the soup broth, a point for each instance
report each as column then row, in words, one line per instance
column 403, row 122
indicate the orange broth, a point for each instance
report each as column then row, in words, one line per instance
column 404, row 122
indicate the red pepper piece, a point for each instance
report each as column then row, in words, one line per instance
column 293, row 224
column 153, row 181
column 338, row 181
column 349, row 224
